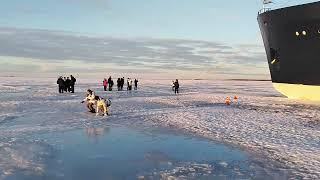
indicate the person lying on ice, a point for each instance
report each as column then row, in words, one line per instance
column 90, row 99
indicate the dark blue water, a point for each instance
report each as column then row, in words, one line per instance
column 113, row 152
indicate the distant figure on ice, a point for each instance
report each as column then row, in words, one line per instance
column 105, row 84
column 122, row 83
column 172, row 85
column 110, row 82
column 176, row 87
column 65, row 84
column 129, row 84
column 90, row 99
column 119, row 84
column 236, row 98
column 60, row 83
column 72, row 83
column 228, row 101
column 68, row 84
column 136, row 84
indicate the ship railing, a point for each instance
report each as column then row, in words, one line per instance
column 263, row 10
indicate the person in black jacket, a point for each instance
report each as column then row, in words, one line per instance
column 176, row 87
column 110, row 82
column 65, row 84
column 136, row 84
column 60, row 83
column 119, row 84
column 72, row 83
column 111, row 85
column 68, row 84
column 122, row 83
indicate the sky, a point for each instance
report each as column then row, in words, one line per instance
column 182, row 38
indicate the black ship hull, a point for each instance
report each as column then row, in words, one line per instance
column 291, row 38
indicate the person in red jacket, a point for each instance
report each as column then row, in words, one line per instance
column 105, row 84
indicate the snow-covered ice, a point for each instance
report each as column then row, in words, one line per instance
column 262, row 122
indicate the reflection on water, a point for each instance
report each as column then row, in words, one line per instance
column 95, row 132
column 122, row 153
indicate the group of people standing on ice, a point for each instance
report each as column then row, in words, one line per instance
column 97, row 104
column 108, row 84
column 66, row 84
